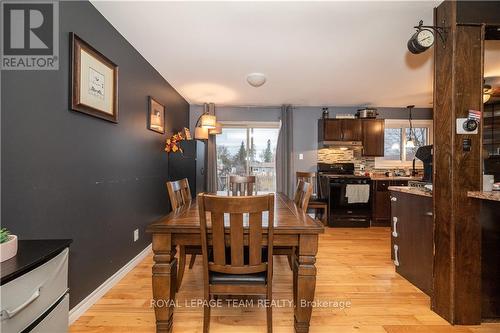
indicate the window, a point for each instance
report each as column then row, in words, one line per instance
column 247, row 149
column 397, row 132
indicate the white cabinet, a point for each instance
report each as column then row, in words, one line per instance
column 37, row 300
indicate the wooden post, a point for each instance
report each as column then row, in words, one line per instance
column 458, row 81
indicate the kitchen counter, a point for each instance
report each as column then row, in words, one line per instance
column 493, row 196
column 384, row 177
column 411, row 190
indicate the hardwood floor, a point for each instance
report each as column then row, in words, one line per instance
column 353, row 265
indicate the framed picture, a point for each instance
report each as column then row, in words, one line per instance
column 156, row 116
column 187, row 133
column 94, row 81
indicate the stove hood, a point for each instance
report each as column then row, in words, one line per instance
column 341, row 144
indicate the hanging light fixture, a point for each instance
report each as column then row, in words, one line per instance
column 410, row 142
column 486, row 93
column 207, row 123
column 216, row 130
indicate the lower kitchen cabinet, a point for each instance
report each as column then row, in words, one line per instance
column 381, row 203
column 412, row 238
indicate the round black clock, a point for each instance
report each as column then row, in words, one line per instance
column 421, row 41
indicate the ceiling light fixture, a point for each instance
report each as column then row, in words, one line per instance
column 410, row 142
column 256, row 79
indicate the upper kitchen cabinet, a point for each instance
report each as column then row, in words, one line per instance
column 373, row 137
column 339, row 130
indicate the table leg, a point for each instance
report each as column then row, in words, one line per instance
column 304, row 281
column 164, row 281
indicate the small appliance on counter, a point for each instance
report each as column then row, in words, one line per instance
column 424, row 154
column 367, row 113
column 348, row 195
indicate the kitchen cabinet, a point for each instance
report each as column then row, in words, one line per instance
column 368, row 131
column 339, row 130
column 412, row 238
column 373, row 137
column 381, row 203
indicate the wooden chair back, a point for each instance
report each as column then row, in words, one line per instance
column 179, row 193
column 241, row 185
column 308, row 177
column 242, row 232
column 303, row 194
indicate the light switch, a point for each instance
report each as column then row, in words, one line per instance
column 301, row 156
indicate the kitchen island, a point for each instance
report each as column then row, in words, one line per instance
column 490, row 252
column 412, row 227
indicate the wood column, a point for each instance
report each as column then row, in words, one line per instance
column 458, row 81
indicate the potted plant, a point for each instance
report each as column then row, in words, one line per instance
column 8, row 245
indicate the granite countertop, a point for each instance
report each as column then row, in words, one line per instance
column 31, row 254
column 411, row 190
column 493, row 196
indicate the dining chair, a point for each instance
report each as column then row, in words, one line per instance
column 241, row 258
column 315, row 203
column 301, row 198
column 180, row 195
column 241, row 185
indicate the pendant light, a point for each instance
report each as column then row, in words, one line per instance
column 207, row 123
column 410, row 142
column 486, row 93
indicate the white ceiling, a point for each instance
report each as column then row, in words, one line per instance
column 313, row 53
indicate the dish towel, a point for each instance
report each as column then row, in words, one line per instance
column 357, row 193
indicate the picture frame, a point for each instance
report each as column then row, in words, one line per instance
column 94, row 81
column 187, row 133
column 156, row 116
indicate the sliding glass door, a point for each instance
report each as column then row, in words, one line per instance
column 248, row 149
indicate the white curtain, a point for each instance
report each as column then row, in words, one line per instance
column 284, row 153
column 211, row 157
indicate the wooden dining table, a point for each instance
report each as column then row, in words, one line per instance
column 292, row 227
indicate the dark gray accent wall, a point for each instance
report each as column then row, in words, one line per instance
column 69, row 175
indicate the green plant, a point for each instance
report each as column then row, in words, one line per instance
column 4, row 235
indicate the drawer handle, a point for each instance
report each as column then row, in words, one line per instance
column 428, row 213
column 7, row 314
column 394, row 230
column 396, row 256
column 394, row 199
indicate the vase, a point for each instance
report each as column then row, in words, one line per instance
column 8, row 249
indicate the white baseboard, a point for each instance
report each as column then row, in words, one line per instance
column 88, row 301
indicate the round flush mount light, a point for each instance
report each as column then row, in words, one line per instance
column 256, row 79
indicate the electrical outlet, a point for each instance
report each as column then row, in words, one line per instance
column 301, row 156
column 136, row 235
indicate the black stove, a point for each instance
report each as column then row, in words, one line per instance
column 348, row 195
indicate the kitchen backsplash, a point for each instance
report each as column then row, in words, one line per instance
column 336, row 155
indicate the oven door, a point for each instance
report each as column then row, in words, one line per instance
column 343, row 213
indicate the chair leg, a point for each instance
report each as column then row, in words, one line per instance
column 291, row 258
column 206, row 318
column 191, row 261
column 269, row 312
column 182, row 266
